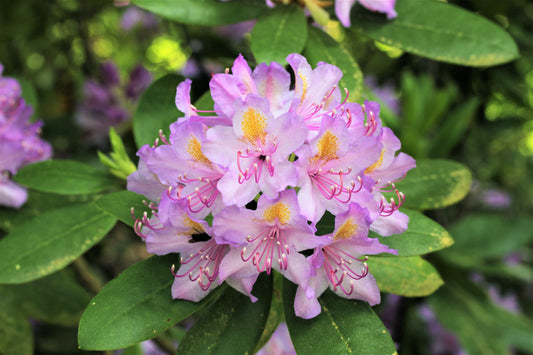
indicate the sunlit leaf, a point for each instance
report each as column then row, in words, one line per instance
column 440, row 31
column 51, row 241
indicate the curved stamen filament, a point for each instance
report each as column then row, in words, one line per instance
column 271, row 246
column 386, row 209
column 258, row 157
column 339, row 266
column 332, row 184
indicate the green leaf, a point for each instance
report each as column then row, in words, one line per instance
column 232, row 324
column 66, row 177
column 205, row 12
column 156, row 109
column 38, row 203
column 343, row 327
column 29, row 94
column 435, row 183
column 422, row 236
column 275, row 315
column 409, row 276
column 15, row 332
column 470, row 319
column 119, row 205
column 487, row 236
column 205, row 102
column 439, row 31
column 278, row 33
column 321, row 47
column 55, row 299
column 51, row 241
column 135, row 306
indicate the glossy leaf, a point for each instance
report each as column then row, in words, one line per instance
column 275, row 314
column 119, row 205
column 422, row 236
column 343, row 327
column 279, row 33
column 67, row 177
column 487, row 236
column 435, row 183
column 51, row 241
column 55, row 299
column 135, row 306
column 439, row 31
column 156, row 109
column 232, row 324
column 320, row 47
column 409, row 276
column 15, row 332
column 204, row 12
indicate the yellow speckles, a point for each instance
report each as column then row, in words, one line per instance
column 17, row 267
column 253, row 125
column 93, row 303
column 280, row 211
column 195, row 226
column 305, row 84
column 328, row 146
column 346, row 230
column 194, row 149
column 377, row 164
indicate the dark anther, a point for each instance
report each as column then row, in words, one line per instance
column 262, row 157
column 199, row 237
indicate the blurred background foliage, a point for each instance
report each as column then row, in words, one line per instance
column 482, row 117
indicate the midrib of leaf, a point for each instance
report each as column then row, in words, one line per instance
column 335, row 326
column 281, row 27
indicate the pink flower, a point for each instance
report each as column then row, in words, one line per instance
column 343, row 8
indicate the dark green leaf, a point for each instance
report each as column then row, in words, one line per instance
column 66, row 177
column 278, row 33
column 275, row 315
column 38, row 203
column 134, row 307
column 51, row 241
column 343, row 327
column 435, row 183
column 320, row 47
column 469, row 318
column 409, row 276
column 487, row 235
column 55, row 299
column 156, row 109
column 205, row 102
column 15, row 332
column 29, row 94
column 204, row 12
column 440, row 31
column 232, row 324
column 422, row 236
column 119, row 205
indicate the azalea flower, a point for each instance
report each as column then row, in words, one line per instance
column 20, row 143
column 343, row 8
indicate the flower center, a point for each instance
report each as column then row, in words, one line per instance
column 280, row 211
column 253, row 126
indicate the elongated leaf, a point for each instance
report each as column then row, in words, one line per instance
column 67, row 177
column 435, row 183
column 440, row 31
column 156, row 109
column 204, row 12
column 487, row 236
column 320, row 47
column 51, row 241
column 279, row 33
column 343, row 327
column 470, row 318
column 55, row 299
column 119, row 205
column 275, row 314
column 15, row 332
column 134, row 307
column 409, row 276
column 232, row 324
column 422, row 236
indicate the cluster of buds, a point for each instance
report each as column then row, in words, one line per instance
column 108, row 103
column 20, row 143
column 241, row 189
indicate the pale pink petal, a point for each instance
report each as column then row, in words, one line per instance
column 11, row 194
column 342, row 10
column 384, row 6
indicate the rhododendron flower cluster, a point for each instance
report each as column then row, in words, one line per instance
column 20, row 143
column 264, row 167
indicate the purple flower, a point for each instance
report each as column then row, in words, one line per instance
column 135, row 17
column 279, row 343
column 20, row 143
column 107, row 103
column 343, row 8
column 340, row 264
column 297, row 152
